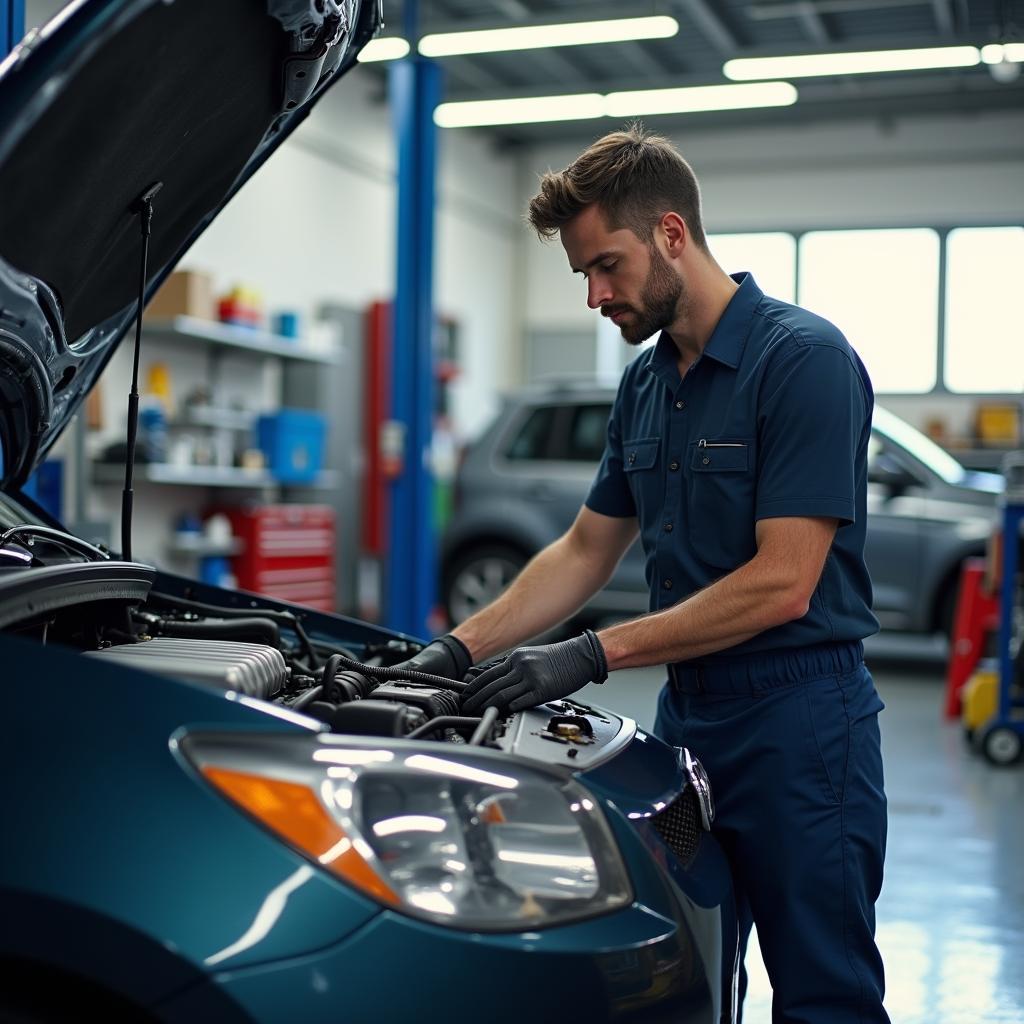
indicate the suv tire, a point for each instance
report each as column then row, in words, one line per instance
column 477, row 575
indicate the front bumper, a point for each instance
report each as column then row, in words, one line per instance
column 635, row 964
column 660, row 959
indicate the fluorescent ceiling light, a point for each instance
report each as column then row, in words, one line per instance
column 812, row 64
column 995, row 53
column 710, row 97
column 535, row 37
column 389, row 48
column 538, row 109
column 530, row 110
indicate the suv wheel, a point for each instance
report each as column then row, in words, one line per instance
column 477, row 576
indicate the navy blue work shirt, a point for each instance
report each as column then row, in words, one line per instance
column 773, row 419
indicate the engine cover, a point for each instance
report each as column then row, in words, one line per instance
column 252, row 669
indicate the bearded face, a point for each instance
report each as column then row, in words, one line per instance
column 661, row 298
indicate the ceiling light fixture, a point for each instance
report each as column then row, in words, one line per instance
column 584, row 106
column 529, row 110
column 538, row 37
column 388, row 48
column 696, row 98
column 747, row 69
column 996, row 53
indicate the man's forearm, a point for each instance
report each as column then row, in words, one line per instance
column 737, row 607
column 557, row 582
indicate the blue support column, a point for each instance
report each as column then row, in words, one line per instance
column 415, row 90
column 12, row 24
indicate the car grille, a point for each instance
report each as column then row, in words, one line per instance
column 679, row 825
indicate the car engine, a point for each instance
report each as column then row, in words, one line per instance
column 59, row 590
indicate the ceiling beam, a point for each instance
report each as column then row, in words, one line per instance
column 474, row 74
column 711, row 25
column 639, row 60
column 813, row 23
column 943, row 11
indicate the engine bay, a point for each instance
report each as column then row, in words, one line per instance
column 129, row 615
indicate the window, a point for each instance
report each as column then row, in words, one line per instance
column 587, row 431
column 769, row 255
column 881, row 289
column 984, row 325
column 533, row 441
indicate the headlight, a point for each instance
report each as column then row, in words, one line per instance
column 457, row 837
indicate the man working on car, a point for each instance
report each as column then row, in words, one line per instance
column 737, row 449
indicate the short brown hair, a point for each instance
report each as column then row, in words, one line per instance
column 633, row 176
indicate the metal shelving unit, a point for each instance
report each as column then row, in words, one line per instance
column 239, row 339
column 205, row 476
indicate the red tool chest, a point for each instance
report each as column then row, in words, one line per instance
column 289, row 552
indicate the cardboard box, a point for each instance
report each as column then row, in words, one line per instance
column 184, row 293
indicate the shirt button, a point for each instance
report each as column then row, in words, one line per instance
column 673, row 466
column 667, row 584
column 668, row 527
column 680, row 405
column 632, row 458
column 706, row 462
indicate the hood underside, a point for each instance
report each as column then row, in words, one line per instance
column 109, row 99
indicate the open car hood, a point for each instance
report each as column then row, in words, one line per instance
column 109, row 98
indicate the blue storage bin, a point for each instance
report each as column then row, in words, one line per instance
column 292, row 442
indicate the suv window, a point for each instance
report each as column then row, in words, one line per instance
column 536, row 436
column 587, row 431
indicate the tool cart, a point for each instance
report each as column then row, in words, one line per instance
column 1002, row 738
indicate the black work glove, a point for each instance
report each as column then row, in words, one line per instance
column 446, row 656
column 535, row 675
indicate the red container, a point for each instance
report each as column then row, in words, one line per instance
column 289, row 552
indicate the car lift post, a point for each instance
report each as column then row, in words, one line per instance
column 414, row 87
column 12, row 25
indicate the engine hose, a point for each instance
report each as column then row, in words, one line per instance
column 483, row 730
column 444, row 722
column 394, row 673
column 306, row 698
column 284, row 618
column 254, row 630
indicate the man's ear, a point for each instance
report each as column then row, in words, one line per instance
column 674, row 232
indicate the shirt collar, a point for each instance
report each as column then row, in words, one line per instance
column 729, row 336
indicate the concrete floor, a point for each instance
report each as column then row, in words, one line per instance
column 951, row 914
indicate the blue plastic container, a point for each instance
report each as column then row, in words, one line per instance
column 292, row 442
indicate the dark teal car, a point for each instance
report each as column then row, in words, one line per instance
column 220, row 807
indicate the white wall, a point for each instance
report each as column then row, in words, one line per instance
column 927, row 170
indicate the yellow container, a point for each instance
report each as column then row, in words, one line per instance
column 980, row 698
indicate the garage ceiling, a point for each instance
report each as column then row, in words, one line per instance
column 713, row 31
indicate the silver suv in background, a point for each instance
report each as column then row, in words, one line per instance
column 522, row 482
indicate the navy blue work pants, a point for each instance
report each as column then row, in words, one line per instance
column 790, row 742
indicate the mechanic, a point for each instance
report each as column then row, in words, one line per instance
column 737, row 449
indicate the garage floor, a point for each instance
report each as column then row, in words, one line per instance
column 951, row 915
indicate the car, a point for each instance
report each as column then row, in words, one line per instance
column 521, row 484
column 220, row 806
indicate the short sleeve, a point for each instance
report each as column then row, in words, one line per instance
column 609, row 493
column 812, row 434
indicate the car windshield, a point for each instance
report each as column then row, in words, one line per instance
column 919, row 445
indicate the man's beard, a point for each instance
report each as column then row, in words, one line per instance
column 660, row 301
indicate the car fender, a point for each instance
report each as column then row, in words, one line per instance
column 113, row 825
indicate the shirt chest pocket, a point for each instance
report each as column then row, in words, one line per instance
column 721, row 492
column 640, row 465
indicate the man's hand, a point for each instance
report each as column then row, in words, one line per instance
column 534, row 675
column 446, row 656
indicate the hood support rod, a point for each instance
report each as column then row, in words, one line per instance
column 143, row 206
